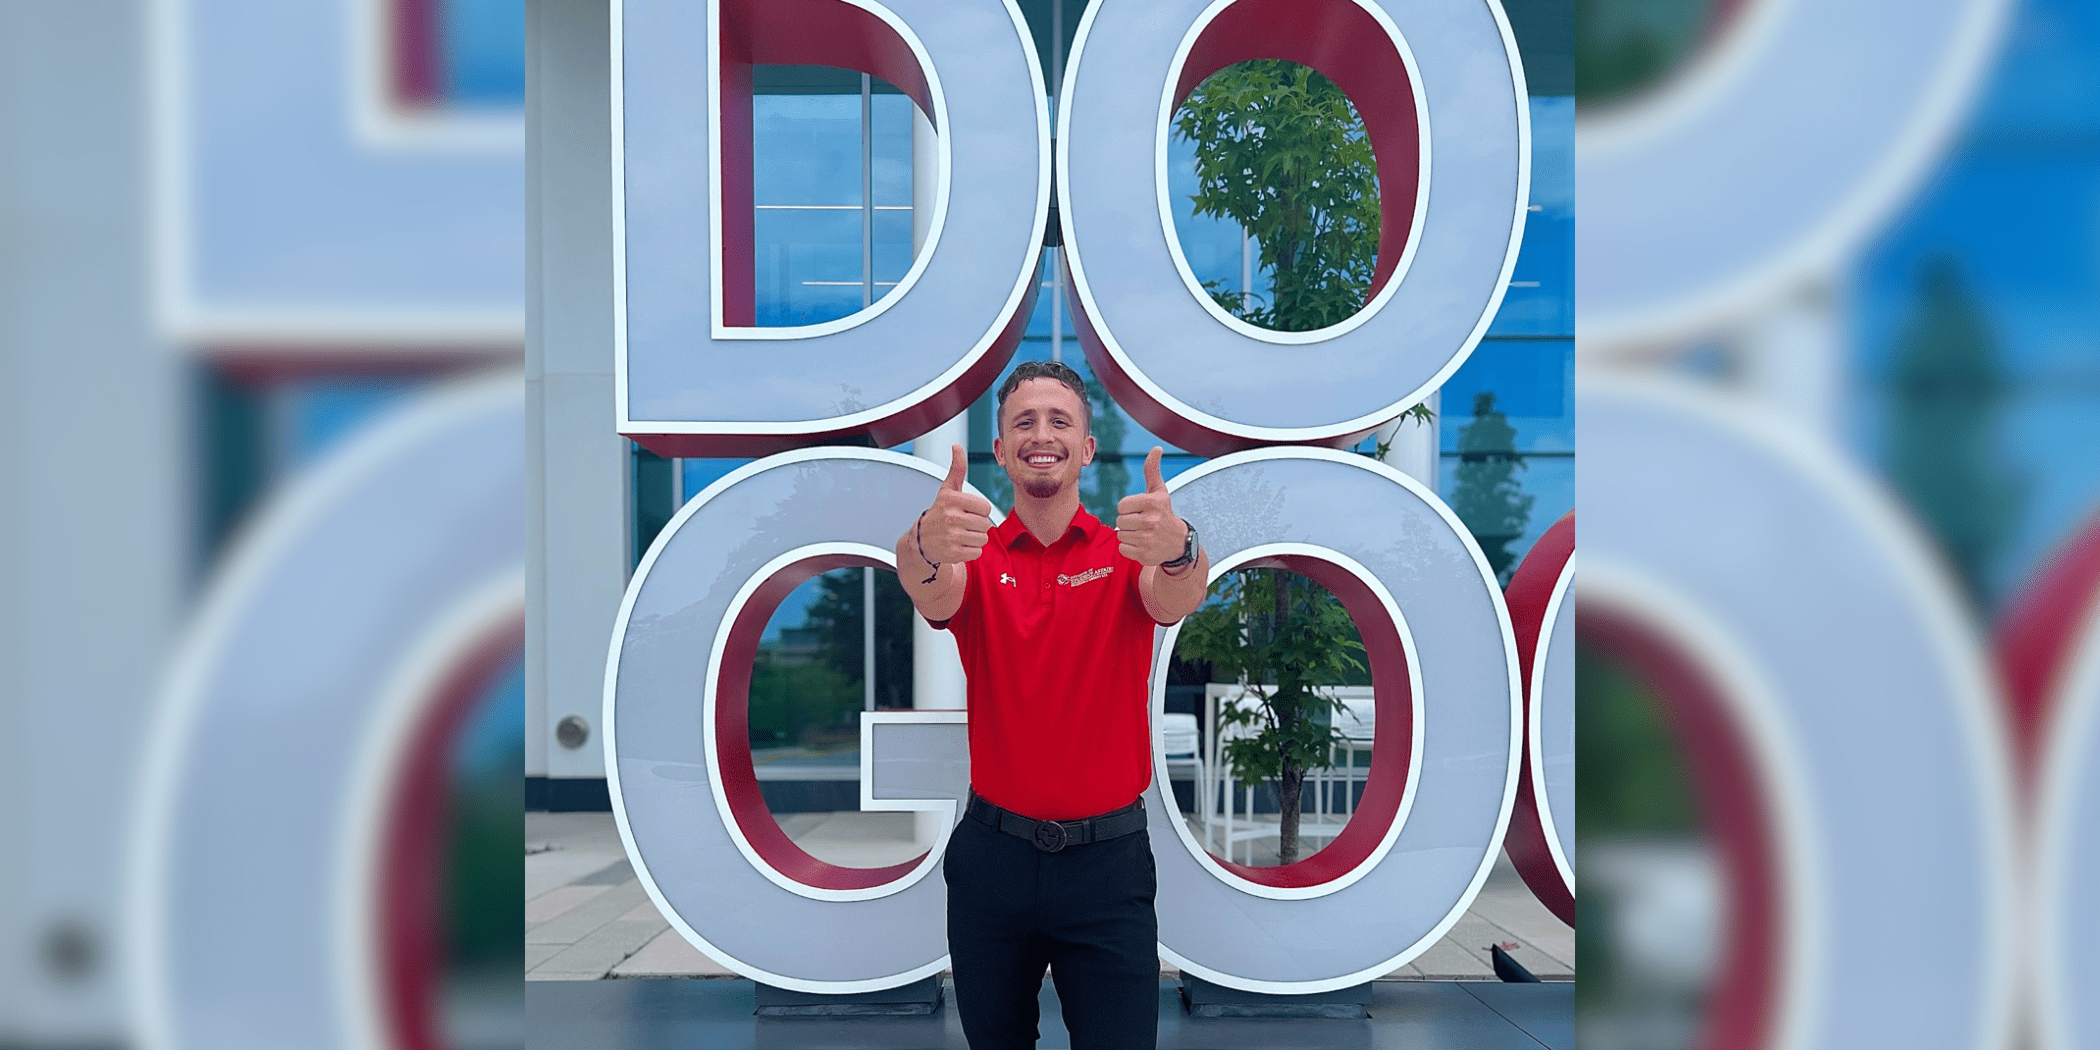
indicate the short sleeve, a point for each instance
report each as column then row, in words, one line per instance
column 953, row 624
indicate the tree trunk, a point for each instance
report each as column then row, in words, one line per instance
column 1289, row 789
column 1292, row 783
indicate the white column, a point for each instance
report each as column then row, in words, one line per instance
column 95, row 529
column 577, row 558
column 937, row 674
column 1414, row 447
column 925, row 176
column 937, row 679
column 937, row 671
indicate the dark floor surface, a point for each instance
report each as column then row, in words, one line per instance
column 1417, row 1015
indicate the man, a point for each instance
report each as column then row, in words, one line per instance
column 1053, row 614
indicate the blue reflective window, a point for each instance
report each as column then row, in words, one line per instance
column 315, row 415
column 1972, row 318
column 807, row 184
column 481, row 50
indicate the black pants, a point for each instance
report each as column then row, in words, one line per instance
column 1085, row 912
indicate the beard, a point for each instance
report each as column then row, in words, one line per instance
column 1043, row 488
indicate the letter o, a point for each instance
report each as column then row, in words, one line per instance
column 1875, row 756
column 1182, row 367
column 1443, row 657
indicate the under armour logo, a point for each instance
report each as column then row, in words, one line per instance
column 1008, row 579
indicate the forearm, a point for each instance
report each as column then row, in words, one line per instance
column 937, row 598
column 1169, row 596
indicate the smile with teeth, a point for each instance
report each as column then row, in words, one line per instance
column 1041, row 460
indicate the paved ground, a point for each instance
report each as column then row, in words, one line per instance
column 586, row 916
column 1404, row 1015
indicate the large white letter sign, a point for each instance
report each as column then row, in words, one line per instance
column 1542, row 833
column 1875, row 753
column 678, row 752
column 285, row 807
column 1444, row 763
column 1442, row 95
column 694, row 375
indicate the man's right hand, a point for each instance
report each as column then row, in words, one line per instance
column 957, row 526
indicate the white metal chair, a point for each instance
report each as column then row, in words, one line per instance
column 1181, row 742
column 1244, row 826
column 1358, row 721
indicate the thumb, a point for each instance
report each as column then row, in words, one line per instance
column 1153, row 482
column 958, row 469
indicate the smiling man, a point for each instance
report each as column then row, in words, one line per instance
column 1053, row 613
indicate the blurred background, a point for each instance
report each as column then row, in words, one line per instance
column 1919, row 331
column 242, row 238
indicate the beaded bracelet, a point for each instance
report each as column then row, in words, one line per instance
column 922, row 550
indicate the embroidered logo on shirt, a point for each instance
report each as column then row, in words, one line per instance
column 1088, row 576
column 1007, row 578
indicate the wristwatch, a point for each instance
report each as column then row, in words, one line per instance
column 1188, row 549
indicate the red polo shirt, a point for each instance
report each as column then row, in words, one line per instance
column 1058, row 648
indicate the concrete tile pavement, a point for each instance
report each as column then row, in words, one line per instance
column 587, row 917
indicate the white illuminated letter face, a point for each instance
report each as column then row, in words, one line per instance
column 1444, row 763
column 695, row 375
column 1441, row 92
column 678, row 751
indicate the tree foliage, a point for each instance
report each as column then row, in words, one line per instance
column 1290, row 641
column 1281, row 152
column 836, row 616
column 1489, row 499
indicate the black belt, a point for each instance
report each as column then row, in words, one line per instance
column 1053, row 835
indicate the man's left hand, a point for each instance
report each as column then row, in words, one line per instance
column 1147, row 529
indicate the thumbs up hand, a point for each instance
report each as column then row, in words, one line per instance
column 1147, row 529
column 958, row 524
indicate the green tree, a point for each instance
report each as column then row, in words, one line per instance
column 1488, row 498
column 836, row 617
column 1288, row 639
column 1111, row 474
column 1949, row 394
column 1281, row 152
column 1625, row 47
column 790, row 701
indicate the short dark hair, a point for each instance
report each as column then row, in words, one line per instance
column 1063, row 373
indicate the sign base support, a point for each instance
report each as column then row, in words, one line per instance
column 916, row 999
column 1204, row 999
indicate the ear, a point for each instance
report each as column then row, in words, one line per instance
column 1086, row 451
column 998, row 452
